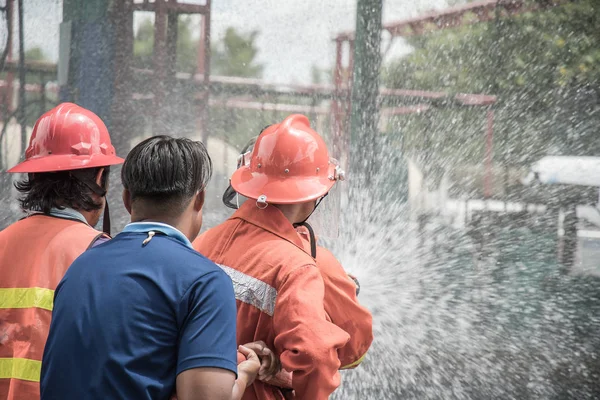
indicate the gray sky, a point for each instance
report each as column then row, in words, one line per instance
column 294, row 34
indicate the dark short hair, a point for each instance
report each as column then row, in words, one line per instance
column 166, row 171
column 44, row 190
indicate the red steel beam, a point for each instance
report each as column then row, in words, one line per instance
column 466, row 99
column 258, row 106
column 413, row 93
column 463, row 14
column 489, row 154
column 324, row 89
column 243, row 104
column 348, row 111
column 449, row 18
column 31, row 66
column 419, row 108
column 180, row 8
column 475, row 99
column 336, row 109
column 34, row 87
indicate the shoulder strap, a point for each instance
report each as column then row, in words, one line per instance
column 98, row 240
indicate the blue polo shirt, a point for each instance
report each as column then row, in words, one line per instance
column 134, row 312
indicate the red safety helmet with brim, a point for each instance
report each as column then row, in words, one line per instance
column 68, row 137
column 289, row 164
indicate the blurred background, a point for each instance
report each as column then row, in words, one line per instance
column 468, row 130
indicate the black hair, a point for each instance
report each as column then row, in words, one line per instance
column 44, row 190
column 166, row 172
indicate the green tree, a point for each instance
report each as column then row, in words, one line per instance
column 316, row 74
column 543, row 66
column 187, row 46
column 322, row 75
column 143, row 44
column 235, row 55
column 35, row 54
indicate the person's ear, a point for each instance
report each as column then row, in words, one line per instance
column 102, row 178
column 199, row 200
column 99, row 177
column 127, row 200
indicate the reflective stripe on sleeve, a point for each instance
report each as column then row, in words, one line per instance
column 27, row 298
column 20, row 368
column 252, row 291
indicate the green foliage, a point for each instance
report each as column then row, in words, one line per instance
column 187, row 45
column 235, row 54
column 35, row 54
column 143, row 44
column 315, row 74
column 543, row 66
column 323, row 75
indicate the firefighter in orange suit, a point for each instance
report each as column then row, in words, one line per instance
column 67, row 163
column 280, row 291
column 341, row 293
column 342, row 306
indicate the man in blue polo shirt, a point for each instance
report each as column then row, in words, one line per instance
column 144, row 315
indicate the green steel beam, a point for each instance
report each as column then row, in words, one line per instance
column 365, row 88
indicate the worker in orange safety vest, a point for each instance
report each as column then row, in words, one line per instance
column 67, row 163
column 341, row 290
column 280, row 291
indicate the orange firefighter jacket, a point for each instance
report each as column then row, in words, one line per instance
column 280, row 299
column 343, row 308
column 35, row 252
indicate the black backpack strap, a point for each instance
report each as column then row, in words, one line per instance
column 98, row 240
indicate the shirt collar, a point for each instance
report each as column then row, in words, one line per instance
column 145, row 227
column 270, row 219
column 64, row 213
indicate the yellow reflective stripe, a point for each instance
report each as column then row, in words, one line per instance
column 27, row 298
column 20, row 368
column 355, row 363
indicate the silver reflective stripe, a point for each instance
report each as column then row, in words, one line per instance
column 252, row 291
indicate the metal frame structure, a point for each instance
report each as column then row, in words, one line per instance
column 7, row 57
column 164, row 72
column 166, row 14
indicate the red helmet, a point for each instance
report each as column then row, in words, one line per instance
column 65, row 138
column 289, row 164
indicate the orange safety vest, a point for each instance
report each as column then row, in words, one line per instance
column 35, row 253
column 279, row 293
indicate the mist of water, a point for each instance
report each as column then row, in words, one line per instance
column 459, row 314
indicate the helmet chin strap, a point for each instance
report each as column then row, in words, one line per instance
column 311, row 232
column 106, row 219
column 230, row 194
column 100, row 191
column 228, row 197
